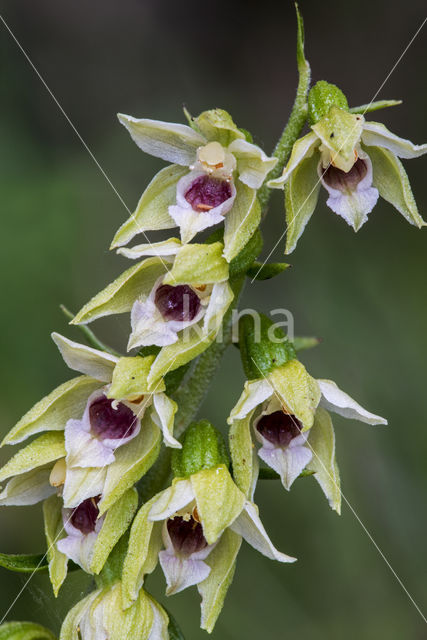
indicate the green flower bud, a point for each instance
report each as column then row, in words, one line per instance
column 321, row 98
column 263, row 346
column 203, row 447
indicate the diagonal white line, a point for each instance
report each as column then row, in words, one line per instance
column 85, row 145
column 319, row 180
column 350, row 506
column 102, row 469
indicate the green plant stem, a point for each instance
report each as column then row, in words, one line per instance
column 91, row 338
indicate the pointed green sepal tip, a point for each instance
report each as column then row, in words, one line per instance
column 321, row 98
column 203, row 447
column 263, row 346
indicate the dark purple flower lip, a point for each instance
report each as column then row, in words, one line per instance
column 206, row 193
column 279, row 428
column 186, row 535
column 346, row 182
column 179, row 303
column 109, row 420
column 84, row 516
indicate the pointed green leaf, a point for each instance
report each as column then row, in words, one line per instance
column 222, row 560
column 152, row 211
column 198, row 264
column 374, row 106
column 46, row 448
column 120, row 295
column 50, row 414
column 23, row 563
column 391, row 180
column 323, row 463
column 24, row 631
column 301, row 194
column 266, row 271
column 130, row 379
column 117, row 520
column 301, row 342
column 219, row 501
column 145, row 542
column 54, row 531
column 241, row 221
column 217, row 124
column 132, row 461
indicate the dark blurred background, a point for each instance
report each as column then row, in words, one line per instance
column 365, row 295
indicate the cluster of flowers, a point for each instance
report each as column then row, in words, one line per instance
column 99, row 433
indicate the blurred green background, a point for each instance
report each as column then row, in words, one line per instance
column 365, row 295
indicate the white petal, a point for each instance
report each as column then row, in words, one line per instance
column 148, row 326
column 254, row 394
column 288, row 463
column 28, row 488
column 333, row 399
column 377, row 135
column 302, row 148
column 81, row 484
column 176, row 497
column 92, row 362
column 172, row 142
column 249, row 526
column 168, row 247
column 79, row 548
column 219, row 301
column 83, row 450
column 353, row 206
column 253, row 164
column 181, row 573
column 166, row 409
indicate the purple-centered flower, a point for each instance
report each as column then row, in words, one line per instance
column 106, row 425
column 82, row 526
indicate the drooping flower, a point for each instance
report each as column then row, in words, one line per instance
column 100, row 616
column 286, row 411
column 177, row 300
column 199, row 521
column 355, row 160
column 214, row 178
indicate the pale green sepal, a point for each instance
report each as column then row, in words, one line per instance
column 198, row 264
column 120, row 295
column 322, row 443
column 297, row 390
column 377, row 135
column 92, row 362
column 130, row 379
column 166, row 140
column 152, row 211
column 374, row 106
column 172, row 499
column 241, row 449
column 301, row 194
column 253, row 164
column 52, row 412
column 177, row 354
column 117, row 520
column 70, row 626
column 132, row 461
column 340, row 133
column 219, row 501
column 222, row 560
column 54, row 531
column 44, row 449
column 133, row 623
column 304, row 147
column 241, row 221
column 28, row 488
column 24, row 631
column 392, row 182
column 145, row 542
column 221, row 297
column 164, row 416
column 217, row 124
column 82, row 483
column 168, row 247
